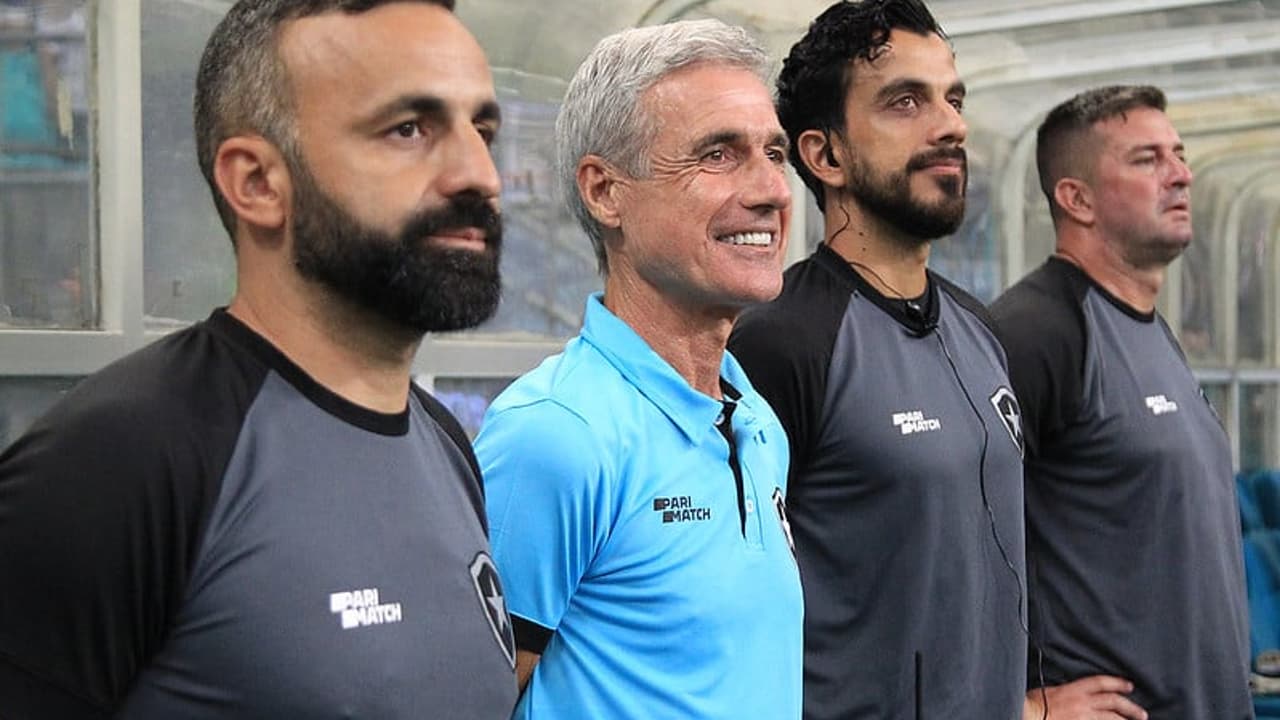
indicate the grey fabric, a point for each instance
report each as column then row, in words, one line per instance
column 1133, row 527
column 892, row 533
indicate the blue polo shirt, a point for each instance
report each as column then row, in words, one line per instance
column 628, row 560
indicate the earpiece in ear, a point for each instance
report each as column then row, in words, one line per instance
column 831, row 157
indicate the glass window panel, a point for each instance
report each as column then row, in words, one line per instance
column 1201, row 288
column 814, row 223
column 48, row 275
column 23, row 400
column 1255, row 299
column 1259, row 430
column 188, row 265
column 1039, row 237
column 1219, row 397
column 548, row 265
column 468, row 398
column 971, row 257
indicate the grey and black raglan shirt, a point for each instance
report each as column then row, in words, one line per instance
column 1133, row 532
column 202, row 531
column 901, row 465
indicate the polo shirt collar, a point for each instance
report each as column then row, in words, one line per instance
column 689, row 410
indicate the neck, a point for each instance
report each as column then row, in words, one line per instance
column 690, row 338
column 1137, row 287
column 893, row 264
column 354, row 354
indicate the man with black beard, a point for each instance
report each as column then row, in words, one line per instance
column 905, row 488
column 261, row 515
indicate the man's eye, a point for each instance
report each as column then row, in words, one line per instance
column 714, row 156
column 905, row 102
column 409, row 129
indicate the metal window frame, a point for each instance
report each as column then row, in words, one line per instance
column 115, row 42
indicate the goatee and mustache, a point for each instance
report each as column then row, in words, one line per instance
column 889, row 196
column 400, row 276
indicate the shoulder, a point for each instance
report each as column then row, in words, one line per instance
column 805, row 317
column 191, row 387
column 962, row 298
column 124, row 472
column 1043, row 306
column 546, row 421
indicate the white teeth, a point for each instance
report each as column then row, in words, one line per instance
column 754, row 238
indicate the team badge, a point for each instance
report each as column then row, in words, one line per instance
column 484, row 576
column 780, row 505
column 1006, row 405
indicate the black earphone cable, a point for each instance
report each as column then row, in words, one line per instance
column 1023, row 621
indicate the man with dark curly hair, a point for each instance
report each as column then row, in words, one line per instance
column 905, row 489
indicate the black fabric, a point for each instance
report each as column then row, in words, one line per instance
column 125, row 554
column 453, row 429
column 794, row 383
column 221, row 323
column 1045, row 341
column 530, row 635
column 1133, row 530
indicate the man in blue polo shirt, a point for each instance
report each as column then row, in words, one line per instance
column 635, row 481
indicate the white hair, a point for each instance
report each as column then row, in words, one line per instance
column 602, row 113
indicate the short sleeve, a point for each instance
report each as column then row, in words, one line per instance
column 549, row 510
column 95, row 547
column 1043, row 337
column 784, row 347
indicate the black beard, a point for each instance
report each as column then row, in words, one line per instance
column 401, row 278
column 890, row 197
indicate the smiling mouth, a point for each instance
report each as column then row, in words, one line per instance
column 758, row 239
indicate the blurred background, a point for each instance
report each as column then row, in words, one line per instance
column 108, row 237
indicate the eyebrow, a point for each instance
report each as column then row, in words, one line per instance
column 897, row 86
column 734, row 137
column 435, row 109
column 1155, row 148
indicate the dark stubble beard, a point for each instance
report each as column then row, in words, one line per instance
column 889, row 196
column 400, row 277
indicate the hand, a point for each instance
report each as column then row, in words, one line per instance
column 1099, row 697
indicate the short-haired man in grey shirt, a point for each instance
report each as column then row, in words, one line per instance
column 260, row 516
column 1133, row 534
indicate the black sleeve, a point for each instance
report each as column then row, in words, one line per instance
column 530, row 636
column 451, row 427
column 102, row 505
column 785, row 348
column 1040, row 323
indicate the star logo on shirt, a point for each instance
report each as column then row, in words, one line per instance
column 1006, row 405
column 484, row 577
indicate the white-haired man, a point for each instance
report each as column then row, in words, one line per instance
column 636, row 479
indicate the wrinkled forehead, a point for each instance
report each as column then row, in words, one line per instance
column 710, row 94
